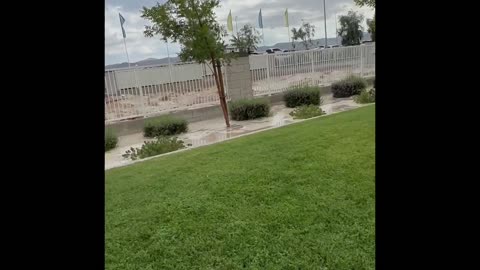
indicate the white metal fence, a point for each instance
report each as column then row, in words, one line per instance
column 142, row 91
column 274, row 73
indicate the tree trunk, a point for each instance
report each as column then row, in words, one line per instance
column 217, row 83
column 223, row 99
column 223, row 104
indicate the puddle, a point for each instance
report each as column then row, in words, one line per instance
column 213, row 137
column 342, row 107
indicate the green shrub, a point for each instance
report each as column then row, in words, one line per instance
column 249, row 109
column 306, row 111
column 305, row 95
column 370, row 81
column 164, row 126
column 160, row 146
column 348, row 87
column 365, row 97
column 111, row 140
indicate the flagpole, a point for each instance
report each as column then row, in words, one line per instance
column 230, row 23
column 122, row 20
column 336, row 30
column 169, row 64
column 260, row 24
column 236, row 25
column 263, row 37
column 325, row 22
column 288, row 31
column 288, row 26
column 126, row 51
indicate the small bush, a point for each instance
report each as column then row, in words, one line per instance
column 249, row 109
column 370, row 81
column 111, row 140
column 306, row 111
column 160, row 146
column 164, row 126
column 306, row 95
column 348, row 87
column 365, row 97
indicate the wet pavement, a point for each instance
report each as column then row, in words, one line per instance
column 214, row 130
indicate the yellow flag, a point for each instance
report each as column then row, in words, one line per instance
column 286, row 17
column 230, row 22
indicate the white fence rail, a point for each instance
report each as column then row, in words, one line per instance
column 143, row 91
column 274, row 73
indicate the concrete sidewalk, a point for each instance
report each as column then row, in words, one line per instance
column 214, row 130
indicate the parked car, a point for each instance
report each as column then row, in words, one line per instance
column 289, row 50
column 273, row 50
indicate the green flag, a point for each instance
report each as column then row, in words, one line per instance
column 286, row 18
column 229, row 22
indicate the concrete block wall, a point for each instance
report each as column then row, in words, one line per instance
column 239, row 79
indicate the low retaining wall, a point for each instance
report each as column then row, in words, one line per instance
column 193, row 115
column 128, row 127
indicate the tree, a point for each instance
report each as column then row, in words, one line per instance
column 305, row 33
column 350, row 29
column 297, row 34
column 361, row 3
column 371, row 27
column 246, row 40
column 370, row 22
column 192, row 23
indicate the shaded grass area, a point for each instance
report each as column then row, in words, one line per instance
column 297, row 197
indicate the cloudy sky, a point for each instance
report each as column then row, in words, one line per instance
column 246, row 11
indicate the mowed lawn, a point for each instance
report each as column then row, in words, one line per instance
column 296, row 197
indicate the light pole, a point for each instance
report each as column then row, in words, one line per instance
column 325, row 22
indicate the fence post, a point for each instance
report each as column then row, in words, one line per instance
column 268, row 74
column 313, row 70
column 140, row 91
column 361, row 60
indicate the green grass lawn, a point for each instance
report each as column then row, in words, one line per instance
column 296, row 197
